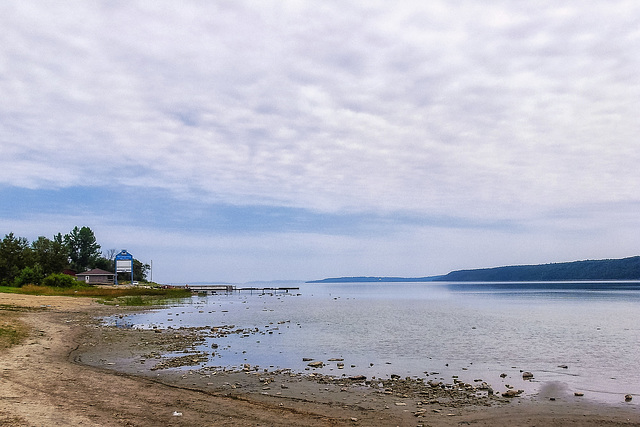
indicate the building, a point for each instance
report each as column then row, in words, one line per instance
column 96, row 277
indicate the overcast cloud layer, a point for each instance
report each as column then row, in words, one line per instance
column 497, row 132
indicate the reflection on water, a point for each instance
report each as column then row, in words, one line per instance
column 584, row 334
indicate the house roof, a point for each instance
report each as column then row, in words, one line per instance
column 96, row 272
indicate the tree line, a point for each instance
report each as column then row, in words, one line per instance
column 23, row 262
column 604, row 269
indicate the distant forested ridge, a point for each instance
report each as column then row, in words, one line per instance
column 376, row 279
column 605, row 269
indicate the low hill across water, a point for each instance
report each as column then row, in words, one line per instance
column 376, row 279
column 605, row 269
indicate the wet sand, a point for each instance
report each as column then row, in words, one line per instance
column 73, row 371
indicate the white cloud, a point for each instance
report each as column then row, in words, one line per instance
column 481, row 110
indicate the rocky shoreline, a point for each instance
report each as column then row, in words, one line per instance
column 76, row 371
column 175, row 355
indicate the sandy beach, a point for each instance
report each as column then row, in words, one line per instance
column 73, row 371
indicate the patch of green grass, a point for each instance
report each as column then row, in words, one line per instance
column 12, row 330
column 9, row 335
column 9, row 290
column 132, row 301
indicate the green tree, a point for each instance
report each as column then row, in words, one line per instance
column 139, row 272
column 83, row 249
column 51, row 255
column 106, row 261
column 103, row 264
column 15, row 255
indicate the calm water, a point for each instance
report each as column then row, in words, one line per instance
column 474, row 331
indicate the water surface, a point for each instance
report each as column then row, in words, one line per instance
column 435, row 330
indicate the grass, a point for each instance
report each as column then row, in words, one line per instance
column 122, row 296
column 12, row 330
column 137, row 300
column 9, row 290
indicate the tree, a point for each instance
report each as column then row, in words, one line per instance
column 103, row 264
column 140, row 271
column 51, row 255
column 107, row 260
column 15, row 255
column 83, row 249
column 110, row 254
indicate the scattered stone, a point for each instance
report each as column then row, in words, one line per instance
column 628, row 398
column 578, row 393
column 358, row 378
column 527, row 375
column 563, row 366
column 503, row 375
column 420, row 412
column 512, row 393
column 317, row 364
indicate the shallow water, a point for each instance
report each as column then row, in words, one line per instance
column 474, row 331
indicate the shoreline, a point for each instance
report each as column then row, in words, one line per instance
column 69, row 372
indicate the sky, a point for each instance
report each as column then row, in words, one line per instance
column 295, row 140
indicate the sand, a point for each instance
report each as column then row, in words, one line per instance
column 72, row 371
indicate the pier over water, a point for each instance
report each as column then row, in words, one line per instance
column 231, row 288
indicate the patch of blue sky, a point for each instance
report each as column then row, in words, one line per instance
column 157, row 209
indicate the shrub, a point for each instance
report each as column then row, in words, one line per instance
column 28, row 276
column 59, row 280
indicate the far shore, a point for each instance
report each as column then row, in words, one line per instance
column 67, row 372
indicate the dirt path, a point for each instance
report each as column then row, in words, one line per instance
column 40, row 385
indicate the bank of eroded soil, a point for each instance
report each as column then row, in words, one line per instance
column 72, row 371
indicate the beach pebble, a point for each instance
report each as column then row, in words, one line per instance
column 578, row 393
column 628, row 398
column 177, row 414
column 512, row 393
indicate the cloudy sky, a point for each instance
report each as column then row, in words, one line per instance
column 261, row 140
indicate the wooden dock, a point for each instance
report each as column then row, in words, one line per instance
column 213, row 289
column 264, row 290
column 210, row 288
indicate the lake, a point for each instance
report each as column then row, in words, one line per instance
column 585, row 335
